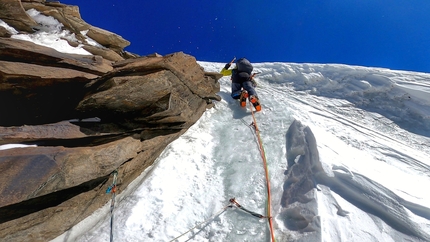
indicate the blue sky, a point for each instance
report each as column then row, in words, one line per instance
column 393, row 34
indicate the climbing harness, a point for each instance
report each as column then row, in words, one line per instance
column 112, row 189
column 266, row 170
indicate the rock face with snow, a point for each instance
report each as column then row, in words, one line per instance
column 13, row 13
column 300, row 208
column 306, row 177
column 87, row 115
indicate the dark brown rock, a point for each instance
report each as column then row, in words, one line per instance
column 106, row 53
column 4, row 32
column 44, row 84
column 12, row 12
column 107, row 39
column 70, row 17
column 86, row 116
column 181, row 93
column 21, row 51
column 27, row 133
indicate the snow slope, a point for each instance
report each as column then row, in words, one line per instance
column 372, row 133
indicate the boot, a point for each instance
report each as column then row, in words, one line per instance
column 254, row 100
column 243, row 97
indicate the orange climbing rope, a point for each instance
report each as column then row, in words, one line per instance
column 266, row 169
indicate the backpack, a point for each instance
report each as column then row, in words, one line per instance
column 239, row 77
column 243, row 65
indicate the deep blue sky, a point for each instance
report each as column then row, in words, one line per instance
column 393, row 34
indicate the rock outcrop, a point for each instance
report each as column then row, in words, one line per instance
column 13, row 13
column 306, row 176
column 86, row 117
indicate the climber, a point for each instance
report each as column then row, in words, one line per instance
column 242, row 82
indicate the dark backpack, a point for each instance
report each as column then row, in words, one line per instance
column 243, row 65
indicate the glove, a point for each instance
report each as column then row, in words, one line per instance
column 254, row 83
column 227, row 66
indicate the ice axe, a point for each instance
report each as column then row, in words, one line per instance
column 254, row 83
column 231, row 62
column 254, row 74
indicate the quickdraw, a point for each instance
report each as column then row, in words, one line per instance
column 112, row 189
column 233, row 201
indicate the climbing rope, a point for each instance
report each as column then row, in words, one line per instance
column 233, row 202
column 112, row 189
column 266, row 169
column 213, row 216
